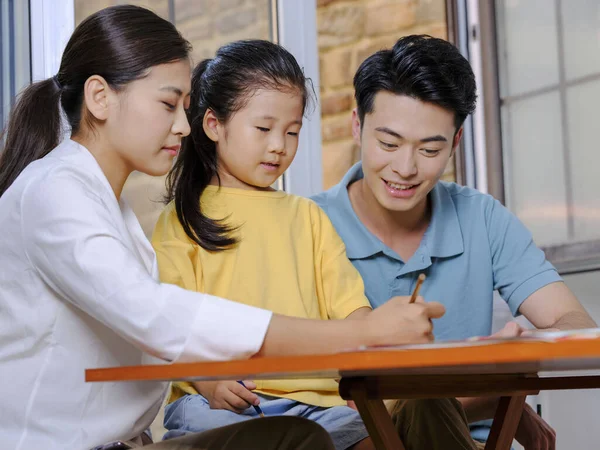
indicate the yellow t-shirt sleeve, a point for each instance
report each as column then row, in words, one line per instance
column 175, row 252
column 339, row 285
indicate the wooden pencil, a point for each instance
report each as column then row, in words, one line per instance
column 415, row 293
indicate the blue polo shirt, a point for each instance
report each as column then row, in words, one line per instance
column 472, row 246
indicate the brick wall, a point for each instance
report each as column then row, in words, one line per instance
column 348, row 32
column 207, row 24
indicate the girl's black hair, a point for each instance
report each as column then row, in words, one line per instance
column 223, row 85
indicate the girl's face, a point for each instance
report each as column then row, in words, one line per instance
column 258, row 143
column 147, row 119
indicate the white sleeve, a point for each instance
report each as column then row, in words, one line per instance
column 77, row 247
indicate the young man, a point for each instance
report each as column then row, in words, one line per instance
column 398, row 219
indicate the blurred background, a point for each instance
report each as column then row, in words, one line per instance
column 531, row 143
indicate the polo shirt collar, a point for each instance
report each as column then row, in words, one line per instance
column 442, row 239
column 360, row 242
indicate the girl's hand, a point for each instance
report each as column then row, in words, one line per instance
column 229, row 395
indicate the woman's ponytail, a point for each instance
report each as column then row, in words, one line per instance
column 33, row 129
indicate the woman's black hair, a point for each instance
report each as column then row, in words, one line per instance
column 121, row 44
column 223, row 85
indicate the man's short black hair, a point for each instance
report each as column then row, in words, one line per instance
column 422, row 67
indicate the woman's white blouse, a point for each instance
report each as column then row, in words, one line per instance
column 78, row 290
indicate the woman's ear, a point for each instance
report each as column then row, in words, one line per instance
column 97, row 94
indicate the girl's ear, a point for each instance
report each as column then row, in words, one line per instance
column 210, row 123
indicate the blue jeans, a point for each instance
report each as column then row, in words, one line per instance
column 192, row 414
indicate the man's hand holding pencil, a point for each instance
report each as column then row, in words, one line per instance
column 410, row 317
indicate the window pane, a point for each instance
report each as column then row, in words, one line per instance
column 527, row 40
column 582, row 108
column 15, row 71
column 581, row 24
column 534, row 156
column 207, row 24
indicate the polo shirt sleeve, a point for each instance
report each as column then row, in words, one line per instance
column 519, row 267
column 340, row 288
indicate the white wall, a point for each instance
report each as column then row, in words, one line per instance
column 574, row 414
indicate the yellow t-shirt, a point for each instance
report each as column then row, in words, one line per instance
column 289, row 260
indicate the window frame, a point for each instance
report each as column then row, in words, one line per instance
column 51, row 23
column 297, row 32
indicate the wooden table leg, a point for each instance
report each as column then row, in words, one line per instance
column 378, row 421
column 505, row 423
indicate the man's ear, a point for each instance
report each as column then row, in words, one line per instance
column 456, row 141
column 356, row 127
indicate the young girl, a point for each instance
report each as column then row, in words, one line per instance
column 226, row 232
column 78, row 279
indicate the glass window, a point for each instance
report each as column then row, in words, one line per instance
column 549, row 70
column 528, row 28
column 581, row 35
column 207, row 24
column 542, row 208
column 15, row 71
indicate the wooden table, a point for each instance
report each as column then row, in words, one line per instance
column 510, row 370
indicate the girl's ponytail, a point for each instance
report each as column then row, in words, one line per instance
column 194, row 169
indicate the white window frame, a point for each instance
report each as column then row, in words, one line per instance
column 297, row 32
column 51, row 23
column 481, row 167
